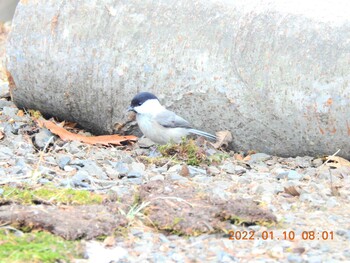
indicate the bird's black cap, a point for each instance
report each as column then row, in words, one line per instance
column 141, row 97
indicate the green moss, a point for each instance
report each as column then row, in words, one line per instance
column 218, row 157
column 186, row 151
column 177, row 220
column 37, row 247
column 50, row 195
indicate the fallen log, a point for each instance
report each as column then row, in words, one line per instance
column 278, row 81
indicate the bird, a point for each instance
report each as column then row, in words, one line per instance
column 158, row 124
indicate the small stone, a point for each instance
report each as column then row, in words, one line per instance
column 5, row 103
column 121, row 168
column 63, row 161
column 229, row 168
column 315, row 259
column 277, row 252
column 157, row 177
column 175, row 169
column 68, row 168
column 145, row 142
column 177, row 177
column 346, row 253
column 213, row 170
column 220, row 193
column 202, row 178
column 5, row 152
column 280, row 173
column 332, row 202
column 294, row 258
column 73, row 147
column 135, row 180
column 317, row 162
column 294, row 175
column 195, row 170
column 259, row 157
column 91, row 167
column 81, row 179
column 10, row 112
column 42, row 138
column 134, row 174
column 137, row 167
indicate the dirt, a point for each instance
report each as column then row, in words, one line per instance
column 188, row 210
column 174, row 208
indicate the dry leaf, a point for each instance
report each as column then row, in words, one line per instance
column 291, row 191
column 298, row 250
column 335, row 161
column 1, row 135
column 223, row 139
column 335, row 190
column 70, row 125
column 238, row 157
column 109, row 241
column 20, row 113
column 184, row 171
column 69, row 136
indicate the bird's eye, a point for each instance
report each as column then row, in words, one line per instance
column 139, row 103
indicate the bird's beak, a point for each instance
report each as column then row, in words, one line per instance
column 131, row 109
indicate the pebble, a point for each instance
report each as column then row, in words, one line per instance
column 63, row 161
column 91, row 167
column 10, row 111
column 137, row 168
column 229, row 168
column 5, row 103
column 213, row 170
column 81, row 179
column 5, row 152
column 121, row 168
column 157, row 177
column 294, row 258
column 68, row 168
column 259, row 157
column 177, row 177
column 134, row 174
column 294, row 175
column 42, row 138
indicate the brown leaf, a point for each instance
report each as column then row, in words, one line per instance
column 336, row 161
column 20, row 113
column 335, row 190
column 68, row 124
column 69, row 136
column 109, row 241
column 184, row 171
column 1, row 135
column 298, row 250
column 223, row 139
column 291, row 191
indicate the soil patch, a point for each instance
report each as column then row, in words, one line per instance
column 188, row 210
column 69, row 222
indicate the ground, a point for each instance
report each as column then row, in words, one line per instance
column 93, row 203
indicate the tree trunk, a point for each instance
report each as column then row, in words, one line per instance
column 279, row 82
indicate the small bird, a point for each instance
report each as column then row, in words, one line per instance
column 159, row 124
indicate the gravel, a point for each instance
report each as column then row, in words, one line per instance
column 263, row 179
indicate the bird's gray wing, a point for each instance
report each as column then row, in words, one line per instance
column 169, row 119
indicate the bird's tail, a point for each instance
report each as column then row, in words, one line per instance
column 204, row 134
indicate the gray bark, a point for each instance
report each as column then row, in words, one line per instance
column 279, row 82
